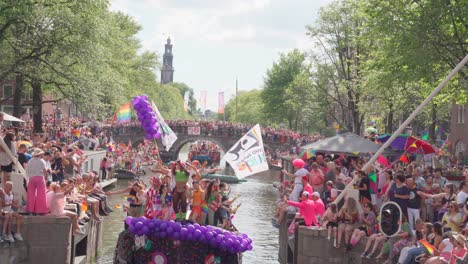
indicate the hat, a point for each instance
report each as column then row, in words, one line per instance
column 306, row 193
column 305, row 178
column 460, row 238
column 316, row 194
column 298, row 163
column 37, row 152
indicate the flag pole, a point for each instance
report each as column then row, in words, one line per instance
column 405, row 124
column 236, row 98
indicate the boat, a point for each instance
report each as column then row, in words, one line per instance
column 223, row 178
column 123, row 174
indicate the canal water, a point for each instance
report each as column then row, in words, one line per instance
column 258, row 198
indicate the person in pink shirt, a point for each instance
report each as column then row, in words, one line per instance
column 306, row 209
column 319, row 206
column 307, row 187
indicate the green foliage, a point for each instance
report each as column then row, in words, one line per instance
column 81, row 51
column 192, row 102
column 249, row 108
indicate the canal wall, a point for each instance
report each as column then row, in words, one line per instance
column 310, row 245
column 48, row 239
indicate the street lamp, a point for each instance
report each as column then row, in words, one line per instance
column 54, row 104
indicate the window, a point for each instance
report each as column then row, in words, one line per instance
column 7, row 90
column 25, row 96
column 7, row 109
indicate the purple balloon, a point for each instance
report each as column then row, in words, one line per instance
column 132, row 229
column 128, row 220
column 190, row 228
column 249, row 247
column 163, row 234
column 138, row 226
column 156, row 222
column 244, row 236
column 169, row 230
column 145, row 229
column 203, row 229
column 176, row 236
column 209, row 228
column 163, row 226
column 183, row 232
column 189, row 236
column 229, row 242
column 144, row 97
column 213, row 243
column 197, row 233
column 177, row 227
column 157, row 135
column 219, row 238
column 149, row 137
column 209, row 235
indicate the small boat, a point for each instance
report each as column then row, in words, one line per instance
column 223, row 178
column 125, row 174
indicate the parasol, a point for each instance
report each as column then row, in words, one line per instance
column 410, row 144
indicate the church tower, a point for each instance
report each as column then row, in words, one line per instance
column 167, row 71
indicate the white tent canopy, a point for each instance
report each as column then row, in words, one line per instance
column 7, row 117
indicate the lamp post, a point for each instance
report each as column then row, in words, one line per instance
column 54, row 104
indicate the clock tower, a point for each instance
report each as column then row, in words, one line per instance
column 167, row 70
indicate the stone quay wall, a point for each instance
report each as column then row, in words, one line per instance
column 48, row 239
column 310, row 246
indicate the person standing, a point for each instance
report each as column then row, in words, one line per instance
column 414, row 203
column 36, row 172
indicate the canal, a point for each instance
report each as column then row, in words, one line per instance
column 258, row 198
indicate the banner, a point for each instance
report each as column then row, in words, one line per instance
column 186, row 99
column 168, row 137
column 247, row 156
column 193, row 130
column 203, row 101
column 123, row 114
column 221, row 103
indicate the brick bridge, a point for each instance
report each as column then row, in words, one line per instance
column 136, row 135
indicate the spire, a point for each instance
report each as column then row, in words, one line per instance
column 167, row 70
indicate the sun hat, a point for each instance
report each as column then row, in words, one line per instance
column 306, row 193
column 316, row 194
column 37, row 152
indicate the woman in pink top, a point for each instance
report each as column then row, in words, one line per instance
column 459, row 250
column 316, row 178
column 307, row 187
column 306, row 208
column 57, row 205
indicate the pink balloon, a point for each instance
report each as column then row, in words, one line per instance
column 298, row 163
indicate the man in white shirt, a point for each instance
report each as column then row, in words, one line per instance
column 462, row 196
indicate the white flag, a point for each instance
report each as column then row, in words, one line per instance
column 247, row 156
column 168, row 137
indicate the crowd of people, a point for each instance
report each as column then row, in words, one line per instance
column 177, row 187
column 434, row 209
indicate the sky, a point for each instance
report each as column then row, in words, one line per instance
column 215, row 41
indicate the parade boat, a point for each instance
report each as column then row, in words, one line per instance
column 159, row 242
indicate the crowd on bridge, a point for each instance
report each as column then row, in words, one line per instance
column 434, row 209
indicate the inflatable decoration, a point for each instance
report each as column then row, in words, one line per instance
column 146, row 116
column 216, row 238
column 390, row 219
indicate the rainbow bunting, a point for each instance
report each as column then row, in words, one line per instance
column 123, row 114
column 76, row 133
column 430, row 248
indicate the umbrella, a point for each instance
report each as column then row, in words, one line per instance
column 307, row 154
column 345, row 143
column 410, row 144
column 7, row 117
column 24, row 142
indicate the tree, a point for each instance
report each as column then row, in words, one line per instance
column 338, row 61
column 251, row 110
column 192, row 102
column 279, row 86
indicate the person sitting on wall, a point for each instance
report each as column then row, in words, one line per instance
column 7, row 208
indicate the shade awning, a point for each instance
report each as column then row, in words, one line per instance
column 345, row 143
column 7, row 117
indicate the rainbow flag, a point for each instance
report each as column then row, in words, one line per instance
column 205, row 208
column 373, row 182
column 430, row 248
column 123, row 114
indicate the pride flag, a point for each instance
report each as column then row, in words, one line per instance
column 430, row 248
column 123, row 114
